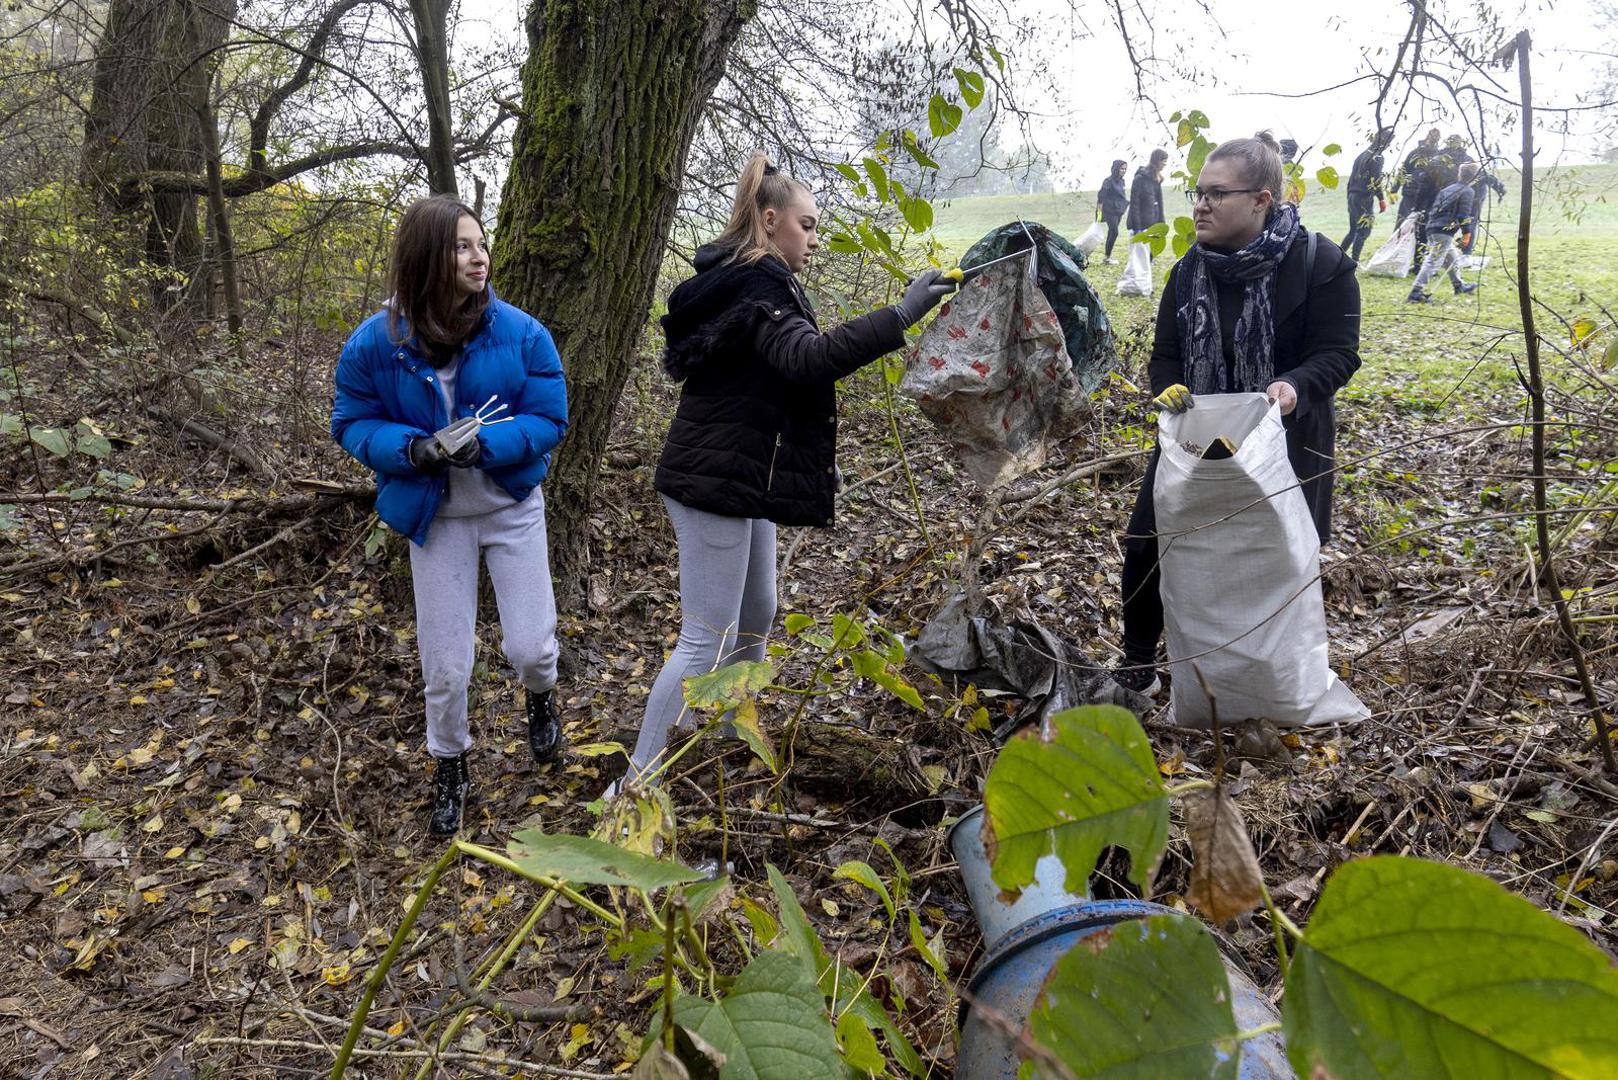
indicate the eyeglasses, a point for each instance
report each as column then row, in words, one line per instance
column 1217, row 196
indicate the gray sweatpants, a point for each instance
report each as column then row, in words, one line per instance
column 1441, row 256
column 444, row 572
column 727, row 603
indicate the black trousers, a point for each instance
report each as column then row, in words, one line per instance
column 1143, row 601
column 1360, row 219
column 1112, row 221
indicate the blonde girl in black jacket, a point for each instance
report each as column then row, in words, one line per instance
column 753, row 442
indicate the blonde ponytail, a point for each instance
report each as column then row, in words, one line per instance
column 760, row 187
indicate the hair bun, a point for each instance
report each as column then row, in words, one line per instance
column 1267, row 137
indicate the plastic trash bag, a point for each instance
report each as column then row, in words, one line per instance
column 1060, row 274
column 1092, row 238
column 992, row 372
column 1240, row 564
column 1137, row 277
column 1394, row 258
column 1018, row 656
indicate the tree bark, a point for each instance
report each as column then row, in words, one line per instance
column 153, row 72
column 612, row 94
column 432, row 55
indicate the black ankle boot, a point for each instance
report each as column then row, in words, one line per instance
column 544, row 727
column 452, row 783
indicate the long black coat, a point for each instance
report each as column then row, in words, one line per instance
column 755, row 433
column 1145, row 201
column 1317, row 350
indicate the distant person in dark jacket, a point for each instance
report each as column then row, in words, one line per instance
column 1113, row 202
column 1411, row 181
column 1365, row 190
column 1146, row 193
column 1243, row 312
column 1451, row 215
column 753, row 440
column 443, row 350
column 1485, row 182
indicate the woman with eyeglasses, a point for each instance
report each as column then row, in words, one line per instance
column 1255, row 306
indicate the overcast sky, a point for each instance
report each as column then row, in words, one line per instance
column 1076, row 79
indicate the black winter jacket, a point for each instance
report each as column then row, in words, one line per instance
column 1366, row 176
column 1317, row 350
column 1145, row 201
column 1111, row 199
column 755, row 433
column 1451, row 211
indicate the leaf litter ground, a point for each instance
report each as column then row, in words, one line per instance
column 216, row 786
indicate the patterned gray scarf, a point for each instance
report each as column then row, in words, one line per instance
column 1197, row 309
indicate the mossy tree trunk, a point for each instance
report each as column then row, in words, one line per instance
column 613, row 91
column 153, row 72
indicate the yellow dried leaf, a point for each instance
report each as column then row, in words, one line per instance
column 1225, row 877
column 174, row 853
column 137, row 700
column 396, row 1028
column 232, row 803
column 337, row 974
column 153, row 825
column 830, row 907
column 238, row 945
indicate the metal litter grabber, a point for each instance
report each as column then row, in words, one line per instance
column 452, row 437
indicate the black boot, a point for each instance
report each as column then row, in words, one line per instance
column 452, row 783
column 544, row 727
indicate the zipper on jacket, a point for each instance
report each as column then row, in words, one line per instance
column 770, row 480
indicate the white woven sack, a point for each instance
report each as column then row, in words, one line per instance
column 1394, row 258
column 1240, row 566
column 1137, row 279
column 1091, row 238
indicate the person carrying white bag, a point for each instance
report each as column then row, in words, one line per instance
column 1258, row 305
column 1145, row 210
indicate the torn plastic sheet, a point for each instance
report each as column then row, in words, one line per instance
column 1005, row 368
column 992, row 372
column 1019, row 657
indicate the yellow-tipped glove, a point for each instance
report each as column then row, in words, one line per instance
column 1176, row 399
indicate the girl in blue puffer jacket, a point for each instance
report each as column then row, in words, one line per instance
column 443, row 350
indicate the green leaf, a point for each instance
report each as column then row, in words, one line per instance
column 879, row 178
column 51, row 440
column 859, row 1045
column 843, row 244
column 1327, row 176
column 1184, row 132
column 1143, row 999
column 850, row 173
column 1182, row 244
column 1331, row 149
column 10, row 424
column 582, row 860
column 845, row 989
column 912, row 146
column 943, row 116
column 1088, row 780
column 797, row 622
column 1415, row 968
column 900, row 689
column 702, row 893
column 917, row 211
column 1610, row 357
column 744, row 719
column 846, row 632
column 971, row 84
column 729, row 686
column 861, row 873
column 87, row 439
column 772, row 1025
column 930, row 951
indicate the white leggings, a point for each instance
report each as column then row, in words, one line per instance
column 727, row 603
column 444, row 572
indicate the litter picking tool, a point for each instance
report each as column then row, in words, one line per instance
column 456, row 435
column 960, row 273
column 968, row 271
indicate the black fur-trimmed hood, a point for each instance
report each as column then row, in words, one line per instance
column 721, row 304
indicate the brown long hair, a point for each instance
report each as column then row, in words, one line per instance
column 426, row 303
column 760, row 187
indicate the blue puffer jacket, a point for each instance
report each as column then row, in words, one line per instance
column 387, row 394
